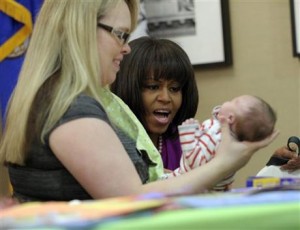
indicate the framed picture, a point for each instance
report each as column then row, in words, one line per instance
column 200, row 27
column 295, row 19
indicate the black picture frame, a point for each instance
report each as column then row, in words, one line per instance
column 295, row 22
column 207, row 41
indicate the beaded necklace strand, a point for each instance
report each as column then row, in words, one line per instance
column 160, row 144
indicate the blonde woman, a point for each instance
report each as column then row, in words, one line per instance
column 67, row 137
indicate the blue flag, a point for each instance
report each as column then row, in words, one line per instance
column 16, row 21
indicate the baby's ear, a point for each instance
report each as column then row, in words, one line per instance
column 231, row 118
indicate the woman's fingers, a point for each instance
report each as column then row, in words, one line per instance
column 227, row 134
column 292, row 165
column 237, row 153
column 284, row 152
column 265, row 142
column 225, row 129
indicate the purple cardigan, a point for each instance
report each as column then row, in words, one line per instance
column 171, row 153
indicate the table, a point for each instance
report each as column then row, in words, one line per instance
column 256, row 209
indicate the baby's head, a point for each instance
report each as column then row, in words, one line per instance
column 250, row 117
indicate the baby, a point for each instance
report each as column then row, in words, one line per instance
column 250, row 119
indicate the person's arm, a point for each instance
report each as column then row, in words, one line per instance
column 188, row 133
column 198, row 143
column 90, row 149
column 92, row 152
column 195, row 146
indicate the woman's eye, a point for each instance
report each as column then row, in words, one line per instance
column 151, row 87
column 175, row 89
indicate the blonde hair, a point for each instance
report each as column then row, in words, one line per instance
column 63, row 51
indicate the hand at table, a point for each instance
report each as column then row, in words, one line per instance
column 294, row 160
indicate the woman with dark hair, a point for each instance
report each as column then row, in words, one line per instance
column 156, row 80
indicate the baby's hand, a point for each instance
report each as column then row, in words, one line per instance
column 190, row 121
column 191, row 127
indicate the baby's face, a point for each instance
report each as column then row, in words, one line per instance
column 237, row 106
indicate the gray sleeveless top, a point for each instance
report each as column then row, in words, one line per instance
column 44, row 178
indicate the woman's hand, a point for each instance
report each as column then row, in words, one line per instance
column 285, row 153
column 292, row 165
column 294, row 160
column 236, row 154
